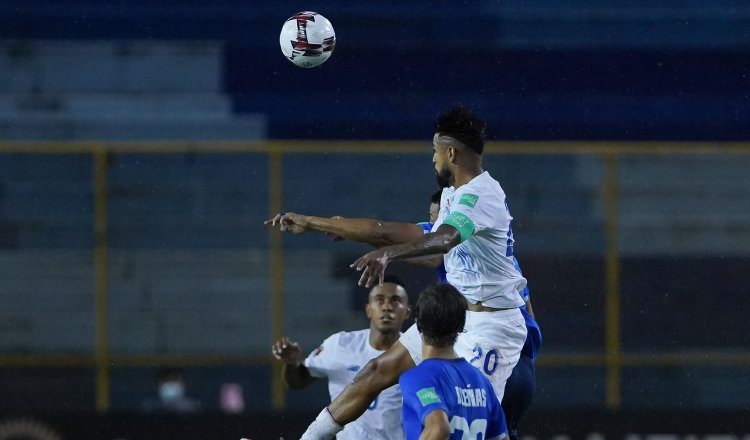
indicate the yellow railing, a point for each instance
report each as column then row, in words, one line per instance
column 613, row 358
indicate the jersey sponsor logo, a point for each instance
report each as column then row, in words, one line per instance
column 427, row 396
column 471, row 397
column 354, row 368
column 469, row 200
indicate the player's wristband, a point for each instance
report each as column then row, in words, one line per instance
column 323, row 428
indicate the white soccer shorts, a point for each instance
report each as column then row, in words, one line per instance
column 491, row 341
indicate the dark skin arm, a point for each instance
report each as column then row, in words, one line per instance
column 379, row 374
column 294, row 372
column 436, row 426
column 377, row 233
column 373, row 264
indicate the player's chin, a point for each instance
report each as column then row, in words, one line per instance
column 388, row 326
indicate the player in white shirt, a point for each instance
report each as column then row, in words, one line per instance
column 473, row 233
column 342, row 355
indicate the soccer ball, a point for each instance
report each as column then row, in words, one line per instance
column 307, row 39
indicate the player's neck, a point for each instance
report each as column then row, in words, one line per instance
column 464, row 175
column 382, row 341
column 431, row 352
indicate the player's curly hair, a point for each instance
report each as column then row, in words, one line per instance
column 441, row 315
column 463, row 125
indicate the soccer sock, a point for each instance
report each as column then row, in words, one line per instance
column 323, row 428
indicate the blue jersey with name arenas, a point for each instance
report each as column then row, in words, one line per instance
column 459, row 389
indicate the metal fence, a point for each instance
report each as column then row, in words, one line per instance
column 279, row 162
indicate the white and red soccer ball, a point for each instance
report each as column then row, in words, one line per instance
column 307, row 39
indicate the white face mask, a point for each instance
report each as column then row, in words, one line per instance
column 169, row 391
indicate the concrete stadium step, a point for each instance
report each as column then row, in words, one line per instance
column 696, row 172
column 631, row 24
column 172, row 301
column 65, row 127
column 122, row 107
column 33, row 67
column 66, row 331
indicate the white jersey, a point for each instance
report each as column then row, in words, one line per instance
column 339, row 359
column 482, row 266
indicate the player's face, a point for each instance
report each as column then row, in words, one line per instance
column 441, row 160
column 388, row 307
column 434, row 211
column 443, row 181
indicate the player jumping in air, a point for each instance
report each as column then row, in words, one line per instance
column 520, row 386
column 474, row 234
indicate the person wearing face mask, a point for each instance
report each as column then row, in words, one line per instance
column 171, row 395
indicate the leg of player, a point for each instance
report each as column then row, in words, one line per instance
column 379, row 374
column 519, row 393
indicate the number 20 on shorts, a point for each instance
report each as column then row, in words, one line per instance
column 490, row 360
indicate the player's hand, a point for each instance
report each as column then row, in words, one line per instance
column 287, row 351
column 289, row 222
column 372, row 265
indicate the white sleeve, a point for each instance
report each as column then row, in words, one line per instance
column 322, row 360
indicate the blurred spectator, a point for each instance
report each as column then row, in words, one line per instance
column 171, row 396
column 231, row 398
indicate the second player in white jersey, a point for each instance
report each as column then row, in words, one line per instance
column 339, row 359
column 342, row 355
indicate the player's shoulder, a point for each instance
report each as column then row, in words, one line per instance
column 416, row 378
column 483, row 185
column 429, row 369
column 465, row 369
column 475, row 376
column 425, row 367
column 351, row 339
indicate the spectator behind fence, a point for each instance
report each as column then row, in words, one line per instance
column 171, row 396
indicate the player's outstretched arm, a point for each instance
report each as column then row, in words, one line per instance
column 436, row 426
column 294, row 372
column 379, row 374
column 373, row 264
column 377, row 233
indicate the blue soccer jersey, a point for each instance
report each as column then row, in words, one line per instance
column 533, row 331
column 459, row 389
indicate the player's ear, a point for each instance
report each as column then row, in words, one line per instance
column 368, row 312
column 452, row 152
